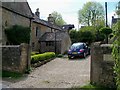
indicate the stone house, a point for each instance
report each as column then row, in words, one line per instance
column 19, row 13
column 15, row 13
column 114, row 20
column 41, row 35
column 40, row 27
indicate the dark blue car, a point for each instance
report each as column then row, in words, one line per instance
column 78, row 50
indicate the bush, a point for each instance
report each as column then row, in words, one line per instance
column 106, row 31
column 86, row 36
column 34, row 53
column 41, row 57
column 18, row 34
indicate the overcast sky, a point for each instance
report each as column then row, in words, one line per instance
column 67, row 8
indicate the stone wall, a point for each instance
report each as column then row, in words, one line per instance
column 102, row 65
column 65, row 44
column 15, row 58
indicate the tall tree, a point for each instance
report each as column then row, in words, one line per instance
column 91, row 13
column 58, row 18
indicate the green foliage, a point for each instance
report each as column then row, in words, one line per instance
column 58, row 18
column 99, row 37
column 118, row 8
column 41, row 57
column 88, row 28
column 74, row 36
column 86, row 34
column 18, row 34
column 90, row 87
column 91, row 13
column 106, row 31
column 116, row 54
column 11, row 74
column 33, row 53
column 116, row 49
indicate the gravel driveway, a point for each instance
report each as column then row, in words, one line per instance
column 58, row 73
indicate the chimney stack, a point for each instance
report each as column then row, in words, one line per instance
column 37, row 13
column 51, row 19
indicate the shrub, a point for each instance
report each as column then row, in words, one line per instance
column 41, row 57
column 106, row 31
column 86, row 36
column 18, row 34
column 34, row 53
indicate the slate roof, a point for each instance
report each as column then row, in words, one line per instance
column 21, row 8
column 68, row 27
column 46, row 23
column 50, row 36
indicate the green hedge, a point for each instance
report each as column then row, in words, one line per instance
column 34, row 53
column 41, row 57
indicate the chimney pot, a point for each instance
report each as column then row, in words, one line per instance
column 51, row 19
column 37, row 13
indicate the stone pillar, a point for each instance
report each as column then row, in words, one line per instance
column 96, row 59
column 25, row 57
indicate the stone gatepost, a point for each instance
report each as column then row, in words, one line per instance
column 96, row 59
column 102, row 64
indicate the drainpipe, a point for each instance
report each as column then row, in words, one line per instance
column 29, row 47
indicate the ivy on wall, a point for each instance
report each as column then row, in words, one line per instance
column 116, row 53
column 18, row 34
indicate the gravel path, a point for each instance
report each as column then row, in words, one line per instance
column 58, row 73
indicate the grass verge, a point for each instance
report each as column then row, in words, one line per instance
column 91, row 87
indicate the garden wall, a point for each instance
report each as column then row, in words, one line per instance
column 102, row 65
column 15, row 58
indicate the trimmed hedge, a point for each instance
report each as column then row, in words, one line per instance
column 34, row 53
column 41, row 57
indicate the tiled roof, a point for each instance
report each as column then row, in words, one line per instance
column 21, row 8
column 49, row 36
column 46, row 23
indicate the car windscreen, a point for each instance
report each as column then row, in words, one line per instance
column 76, row 47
